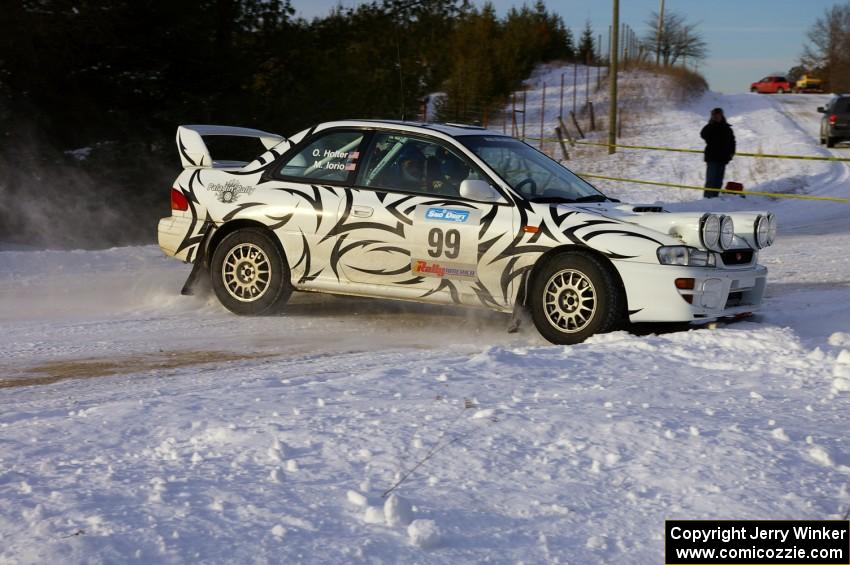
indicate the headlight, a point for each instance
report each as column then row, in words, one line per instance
column 727, row 232
column 709, row 231
column 760, row 230
column 685, row 256
column 771, row 228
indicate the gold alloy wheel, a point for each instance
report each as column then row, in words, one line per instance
column 569, row 300
column 246, row 272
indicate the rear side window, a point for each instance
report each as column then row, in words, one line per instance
column 841, row 106
column 329, row 157
column 408, row 163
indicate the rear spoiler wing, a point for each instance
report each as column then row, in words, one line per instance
column 193, row 151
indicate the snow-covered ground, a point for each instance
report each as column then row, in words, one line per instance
column 140, row 425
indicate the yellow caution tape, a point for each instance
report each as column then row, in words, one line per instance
column 738, row 192
column 678, row 150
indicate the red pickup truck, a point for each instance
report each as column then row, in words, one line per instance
column 771, row 85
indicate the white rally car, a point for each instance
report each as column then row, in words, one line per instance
column 449, row 214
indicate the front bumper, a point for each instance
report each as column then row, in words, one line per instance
column 718, row 292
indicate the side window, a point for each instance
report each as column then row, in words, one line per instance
column 412, row 164
column 330, row 157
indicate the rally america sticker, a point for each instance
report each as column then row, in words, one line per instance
column 421, row 267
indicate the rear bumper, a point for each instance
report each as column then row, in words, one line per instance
column 172, row 235
column 653, row 297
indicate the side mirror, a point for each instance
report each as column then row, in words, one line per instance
column 821, row 110
column 479, row 190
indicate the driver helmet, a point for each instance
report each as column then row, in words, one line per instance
column 412, row 164
column 453, row 168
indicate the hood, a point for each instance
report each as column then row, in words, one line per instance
column 684, row 227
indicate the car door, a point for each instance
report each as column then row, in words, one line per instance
column 303, row 193
column 405, row 231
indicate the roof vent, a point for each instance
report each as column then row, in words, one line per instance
column 465, row 126
column 639, row 209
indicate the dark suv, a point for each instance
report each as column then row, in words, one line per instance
column 835, row 124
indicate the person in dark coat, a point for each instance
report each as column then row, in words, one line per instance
column 719, row 150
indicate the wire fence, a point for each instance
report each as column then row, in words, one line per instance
column 515, row 116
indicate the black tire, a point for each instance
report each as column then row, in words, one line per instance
column 754, row 90
column 239, row 284
column 830, row 141
column 780, row 90
column 557, row 314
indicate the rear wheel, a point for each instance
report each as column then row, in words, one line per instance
column 249, row 273
column 830, row 142
column 574, row 296
column 780, row 90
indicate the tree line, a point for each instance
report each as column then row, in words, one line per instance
column 117, row 76
column 827, row 54
column 100, row 70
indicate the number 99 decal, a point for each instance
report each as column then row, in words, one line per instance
column 443, row 243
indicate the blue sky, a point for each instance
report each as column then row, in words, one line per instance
column 747, row 39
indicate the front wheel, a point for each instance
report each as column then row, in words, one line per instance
column 249, row 273
column 574, row 296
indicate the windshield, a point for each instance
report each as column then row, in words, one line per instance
column 530, row 172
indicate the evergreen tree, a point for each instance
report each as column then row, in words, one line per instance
column 586, row 45
column 569, row 51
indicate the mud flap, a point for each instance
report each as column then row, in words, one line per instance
column 199, row 267
column 520, row 312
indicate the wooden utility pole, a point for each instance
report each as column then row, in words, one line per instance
column 622, row 37
column 612, row 78
column 514, row 131
column 561, row 107
column 542, row 115
column 524, row 94
column 575, row 82
column 560, row 136
column 658, row 35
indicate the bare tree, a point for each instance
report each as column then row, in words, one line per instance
column 828, row 52
column 678, row 39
